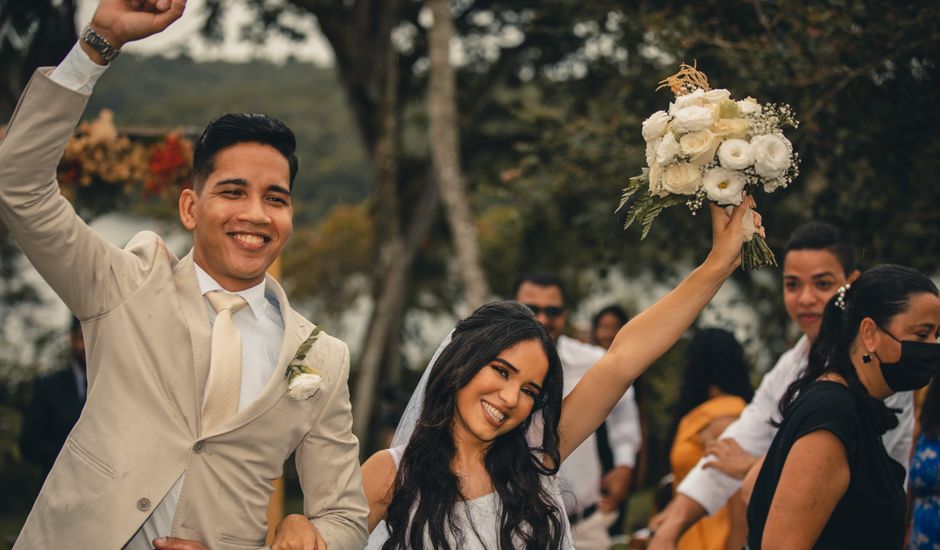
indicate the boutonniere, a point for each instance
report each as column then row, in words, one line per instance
column 303, row 380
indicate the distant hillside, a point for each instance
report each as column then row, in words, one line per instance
column 170, row 93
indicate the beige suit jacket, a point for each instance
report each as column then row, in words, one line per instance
column 147, row 338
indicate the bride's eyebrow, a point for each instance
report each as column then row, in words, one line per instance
column 506, row 364
column 512, row 367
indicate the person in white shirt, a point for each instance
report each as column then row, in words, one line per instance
column 817, row 261
column 592, row 497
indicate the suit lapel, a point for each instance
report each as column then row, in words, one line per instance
column 193, row 308
column 295, row 331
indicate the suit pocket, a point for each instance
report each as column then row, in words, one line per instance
column 241, row 542
column 89, row 459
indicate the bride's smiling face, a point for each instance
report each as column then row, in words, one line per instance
column 502, row 394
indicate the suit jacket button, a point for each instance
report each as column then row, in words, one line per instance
column 143, row 504
column 199, row 447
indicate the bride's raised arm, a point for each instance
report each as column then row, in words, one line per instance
column 651, row 333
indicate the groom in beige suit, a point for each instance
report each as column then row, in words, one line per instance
column 188, row 418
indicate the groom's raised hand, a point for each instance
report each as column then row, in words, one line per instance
column 123, row 21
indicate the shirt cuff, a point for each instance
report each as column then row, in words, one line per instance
column 710, row 488
column 625, row 456
column 77, row 71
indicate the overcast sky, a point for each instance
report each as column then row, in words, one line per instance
column 184, row 36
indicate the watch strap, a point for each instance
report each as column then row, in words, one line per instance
column 99, row 43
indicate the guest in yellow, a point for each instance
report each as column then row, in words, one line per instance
column 715, row 389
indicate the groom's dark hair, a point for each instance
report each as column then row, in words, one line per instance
column 235, row 128
column 427, row 491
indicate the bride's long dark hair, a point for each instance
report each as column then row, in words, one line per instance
column 426, row 485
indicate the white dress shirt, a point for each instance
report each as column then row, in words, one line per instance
column 754, row 432
column 580, row 474
column 261, row 323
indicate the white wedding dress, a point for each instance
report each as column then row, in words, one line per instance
column 478, row 519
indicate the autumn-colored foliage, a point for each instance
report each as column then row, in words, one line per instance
column 100, row 159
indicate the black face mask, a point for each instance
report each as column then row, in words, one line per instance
column 918, row 363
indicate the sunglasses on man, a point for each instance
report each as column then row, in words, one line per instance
column 550, row 311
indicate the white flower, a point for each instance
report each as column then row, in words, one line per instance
column 655, row 126
column 724, row 186
column 303, row 385
column 749, row 106
column 695, row 98
column 716, row 96
column 735, row 154
column 667, row 150
column 731, row 127
column 773, row 184
column 694, row 118
column 771, row 155
column 699, row 146
column 747, row 223
column 682, row 179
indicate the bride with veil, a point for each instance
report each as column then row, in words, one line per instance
column 473, row 462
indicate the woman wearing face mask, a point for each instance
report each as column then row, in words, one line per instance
column 827, row 481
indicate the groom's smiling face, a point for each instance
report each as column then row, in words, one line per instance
column 241, row 216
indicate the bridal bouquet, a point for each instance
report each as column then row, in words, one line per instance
column 709, row 146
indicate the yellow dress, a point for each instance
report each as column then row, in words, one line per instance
column 711, row 532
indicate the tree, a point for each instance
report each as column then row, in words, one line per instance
column 33, row 33
column 445, row 154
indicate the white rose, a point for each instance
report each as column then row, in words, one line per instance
column 716, row 96
column 724, row 186
column 655, row 126
column 682, row 179
column 735, row 154
column 771, row 155
column 667, row 150
column 731, row 127
column 695, row 98
column 749, row 106
column 694, row 118
column 700, row 146
column 773, row 184
column 747, row 223
column 303, row 385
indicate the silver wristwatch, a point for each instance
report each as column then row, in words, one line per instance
column 99, row 43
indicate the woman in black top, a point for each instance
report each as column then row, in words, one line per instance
column 827, row 481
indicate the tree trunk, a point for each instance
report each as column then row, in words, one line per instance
column 445, row 155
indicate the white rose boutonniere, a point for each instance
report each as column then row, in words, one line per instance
column 303, row 380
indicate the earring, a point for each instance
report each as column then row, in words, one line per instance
column 866, row 358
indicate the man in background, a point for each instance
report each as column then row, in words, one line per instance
column 592, row 497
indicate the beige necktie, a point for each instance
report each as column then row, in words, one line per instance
column 225, row 365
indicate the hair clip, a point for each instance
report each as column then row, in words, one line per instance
column 840, row 296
